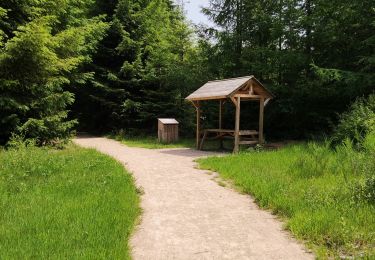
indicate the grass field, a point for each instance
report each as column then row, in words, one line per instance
column 65, row 204
column 326, row 197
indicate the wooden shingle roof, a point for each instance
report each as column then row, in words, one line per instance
column 226, row 88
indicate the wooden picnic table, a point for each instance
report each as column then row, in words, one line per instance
column 221, row 133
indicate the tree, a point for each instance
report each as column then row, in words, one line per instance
column 315, row 55
column 142, row 68
column 37, row 62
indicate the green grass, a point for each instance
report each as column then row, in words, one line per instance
column 314, row 189
column 65, row 204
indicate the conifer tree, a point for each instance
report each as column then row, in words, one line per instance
column 38, row 59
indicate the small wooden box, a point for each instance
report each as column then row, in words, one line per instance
column 167, row 130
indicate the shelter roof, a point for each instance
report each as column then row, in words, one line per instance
column 220, row 89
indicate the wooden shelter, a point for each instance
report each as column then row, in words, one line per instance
column 236, row 90
column 167, row 130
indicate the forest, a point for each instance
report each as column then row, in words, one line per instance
column 82, row 81
column 104, row 66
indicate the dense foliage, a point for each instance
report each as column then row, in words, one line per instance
column 143, row 68
column 317, row 56
column 120, row 64
column 44, row 46
column 356, row 123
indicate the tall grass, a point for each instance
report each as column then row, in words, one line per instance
column 325, row 195
column 64, row 204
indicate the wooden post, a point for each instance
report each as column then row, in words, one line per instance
column 197, row 107
column 261, row 116
column 221, row 121
column 237, row 127
column 220, row 113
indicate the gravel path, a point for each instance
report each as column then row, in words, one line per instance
column 187, row 215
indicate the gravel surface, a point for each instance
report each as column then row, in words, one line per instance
column 187, row 215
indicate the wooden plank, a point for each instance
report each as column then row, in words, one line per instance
column 242, row 132
column 207, row 98
column 261, row 120
column 248, row 96
column 220, row 130
column 248, row 132
column 237, row 126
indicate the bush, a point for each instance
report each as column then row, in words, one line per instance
column 357, row 122
column 365, row 191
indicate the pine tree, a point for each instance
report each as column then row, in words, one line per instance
column 37, row 62
column 146, row 52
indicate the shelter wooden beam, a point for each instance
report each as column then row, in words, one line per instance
column 251, row 91
column 266, row 102
column 248, row 96
column 234, row 100
column 194, row 103
column 237, row 126
column 261, row 119
column 208, row 98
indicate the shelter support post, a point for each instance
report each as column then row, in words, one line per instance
column 221, row 120
column 220, row 113
column 237, row 126
column 198, row 134
column 261, row 119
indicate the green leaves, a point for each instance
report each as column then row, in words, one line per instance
column 357, row 122
column 44, row 56
column 143, row 67
column 317, row 56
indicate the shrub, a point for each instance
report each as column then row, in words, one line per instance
column 357, row 122
column 365, row 191
column 369, row 143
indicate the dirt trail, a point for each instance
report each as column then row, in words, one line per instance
column 187, row 215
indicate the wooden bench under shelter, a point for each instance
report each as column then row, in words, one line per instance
column 235, row 90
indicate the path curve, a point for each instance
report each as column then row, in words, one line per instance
column 187, row 215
